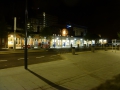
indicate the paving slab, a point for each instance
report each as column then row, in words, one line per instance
column 83, row 71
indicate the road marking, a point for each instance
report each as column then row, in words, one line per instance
column 3, row 60
column 40, row 57
column 21, row 58
column 52, row 55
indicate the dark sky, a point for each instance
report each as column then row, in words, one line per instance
column 99, row 16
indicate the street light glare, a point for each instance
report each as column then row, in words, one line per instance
column 64, row 32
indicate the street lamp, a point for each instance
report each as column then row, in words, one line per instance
column 54, row 40
column 14, row 33
column 25, row 51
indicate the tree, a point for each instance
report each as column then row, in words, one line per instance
column 22, row 34
column 3, row 31
column 91, row 36
column 118, row 34
column 49, row 31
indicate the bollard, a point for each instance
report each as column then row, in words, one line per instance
column 71, row 45
column 102, row 46
column 73, row 50
column 92, row 49
column 84, row 46
column 105, row 48
column 90, row 45
column 118, row 47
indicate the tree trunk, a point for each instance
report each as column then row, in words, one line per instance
column 0, row 43
column 21, row 43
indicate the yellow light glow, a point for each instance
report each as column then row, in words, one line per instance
column 64, row 32
column 28, row 24
column 43, row 13
column 105, row 41
column 10, row 43
column 11, row 36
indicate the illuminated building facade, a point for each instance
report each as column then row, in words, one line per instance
column 56, row 41
column 64, row 38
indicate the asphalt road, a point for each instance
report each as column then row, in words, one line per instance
column 17, row 59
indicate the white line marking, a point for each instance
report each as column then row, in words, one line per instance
column 40, row 57
column 21, row 58
column 3, row 60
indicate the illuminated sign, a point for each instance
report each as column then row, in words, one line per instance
column 68, row 26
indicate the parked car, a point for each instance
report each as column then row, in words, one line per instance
column 28, row 47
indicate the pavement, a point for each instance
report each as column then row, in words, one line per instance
column 98, row 70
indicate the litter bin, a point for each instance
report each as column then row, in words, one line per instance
column 73, row 50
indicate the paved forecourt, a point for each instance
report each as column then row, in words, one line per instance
column 82, row 71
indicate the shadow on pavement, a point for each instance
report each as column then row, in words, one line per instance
column 112, row 84
column 47, row 81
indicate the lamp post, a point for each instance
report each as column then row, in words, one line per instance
column 60, row 41
column 54, row 40
column 25, row 51
column 14, row 33
column 115, row 45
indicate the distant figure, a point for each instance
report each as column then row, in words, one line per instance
column 64, row 44
column 54, row 45
column 71, row 45
column 42, row 44
column 48, row 44
column 39, row 45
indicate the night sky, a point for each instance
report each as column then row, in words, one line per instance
column 99, row 16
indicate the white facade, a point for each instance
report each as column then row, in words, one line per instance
column 54, row 42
